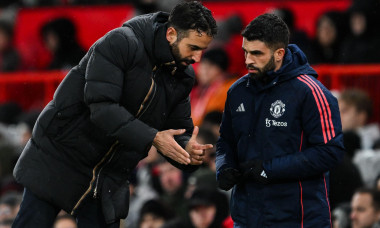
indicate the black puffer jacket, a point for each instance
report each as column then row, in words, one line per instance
column 104, row 117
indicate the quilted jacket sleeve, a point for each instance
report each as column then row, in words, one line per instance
column 105, row 72
column 322, row 140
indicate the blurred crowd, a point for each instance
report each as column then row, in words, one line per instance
column 164, row 196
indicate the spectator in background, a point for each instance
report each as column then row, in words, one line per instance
column 213, row 82
column 141, row 187
column 173, row 187
column 208, row 208
column 296, row 36
column 9, row 112
column 9, row 206
column 212, row 121
column 154, row 214
column 355, row 107
column 361, row 45
column 26, row 121
column 341, row 216
column 9, row 56
column 59, row 36
column 365, row 209
column 145, row 6
column 206, row 136
column 227, row 28
column 204, row 177
column 326, row 46
column 345, row 178
column 65, row 221
column 368, row 163
column 377, row 183
column 8, row 159
column 5, row 3
column 6, row 224
column 376, row 144
column 228, row 38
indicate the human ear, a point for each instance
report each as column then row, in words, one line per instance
column 279, row 54
column 171, row 35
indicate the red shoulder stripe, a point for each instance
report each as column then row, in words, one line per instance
column 318, row 105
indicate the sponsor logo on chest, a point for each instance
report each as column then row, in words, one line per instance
column 277, row 109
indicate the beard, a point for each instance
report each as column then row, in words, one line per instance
column 261, row 73
column 180, row 62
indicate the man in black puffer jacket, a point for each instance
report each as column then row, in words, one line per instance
column 129, row 92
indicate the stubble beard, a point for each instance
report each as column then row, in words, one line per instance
column 261, row 74
column 179, row 61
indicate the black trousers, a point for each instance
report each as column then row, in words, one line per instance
column 38, row 213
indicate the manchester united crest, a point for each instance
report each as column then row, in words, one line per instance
column 277, row 109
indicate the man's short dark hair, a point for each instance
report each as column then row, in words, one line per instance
column 269, row 29
column 375, row 194
column 157, row 208
column 192, row 16
column 359, row 99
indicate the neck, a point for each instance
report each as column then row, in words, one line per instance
column 277, row 65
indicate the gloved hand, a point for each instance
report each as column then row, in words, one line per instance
column 228, row 177
column 254, row 170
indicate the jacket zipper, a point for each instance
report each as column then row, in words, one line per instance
column 96, row 177
column 93, row 177
column 150, row 102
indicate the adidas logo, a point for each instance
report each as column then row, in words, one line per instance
column 240, row 108
column 263, row 174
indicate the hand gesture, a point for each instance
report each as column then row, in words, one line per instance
column 165, row 143
column 195, row 149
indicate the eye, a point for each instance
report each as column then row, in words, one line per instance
column 194, row 48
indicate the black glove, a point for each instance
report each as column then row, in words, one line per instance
column 228, row 177
column 254, row 170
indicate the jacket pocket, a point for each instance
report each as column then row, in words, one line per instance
column 114, row 199
column 283, row 203
column 66, row 120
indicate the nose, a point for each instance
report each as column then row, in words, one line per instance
column 249, row 59
column 353, row 215
column 197, row 56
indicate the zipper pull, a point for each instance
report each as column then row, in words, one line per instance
column 95, row 193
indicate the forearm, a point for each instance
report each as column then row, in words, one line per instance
column 311, row 162
column 117, row 122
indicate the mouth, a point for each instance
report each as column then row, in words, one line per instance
column 251, row 70
column 188, row 62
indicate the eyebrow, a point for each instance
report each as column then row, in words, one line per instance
column 255, row 52
column 195, row 47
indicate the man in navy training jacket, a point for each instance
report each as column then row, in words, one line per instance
column 280, row 135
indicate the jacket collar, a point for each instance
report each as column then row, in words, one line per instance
column 162, row 50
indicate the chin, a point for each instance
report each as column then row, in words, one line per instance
column 252, row 75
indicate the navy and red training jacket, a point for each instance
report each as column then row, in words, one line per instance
column 293, row 124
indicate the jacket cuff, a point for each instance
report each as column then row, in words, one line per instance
column 137, row 135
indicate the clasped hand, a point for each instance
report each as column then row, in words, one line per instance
column 193, row 153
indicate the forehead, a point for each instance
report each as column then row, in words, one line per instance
column 362, row 199
column 195, row 38
column 255, row 45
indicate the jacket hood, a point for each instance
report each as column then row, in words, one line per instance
column 151, row 29
column 294, row 64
